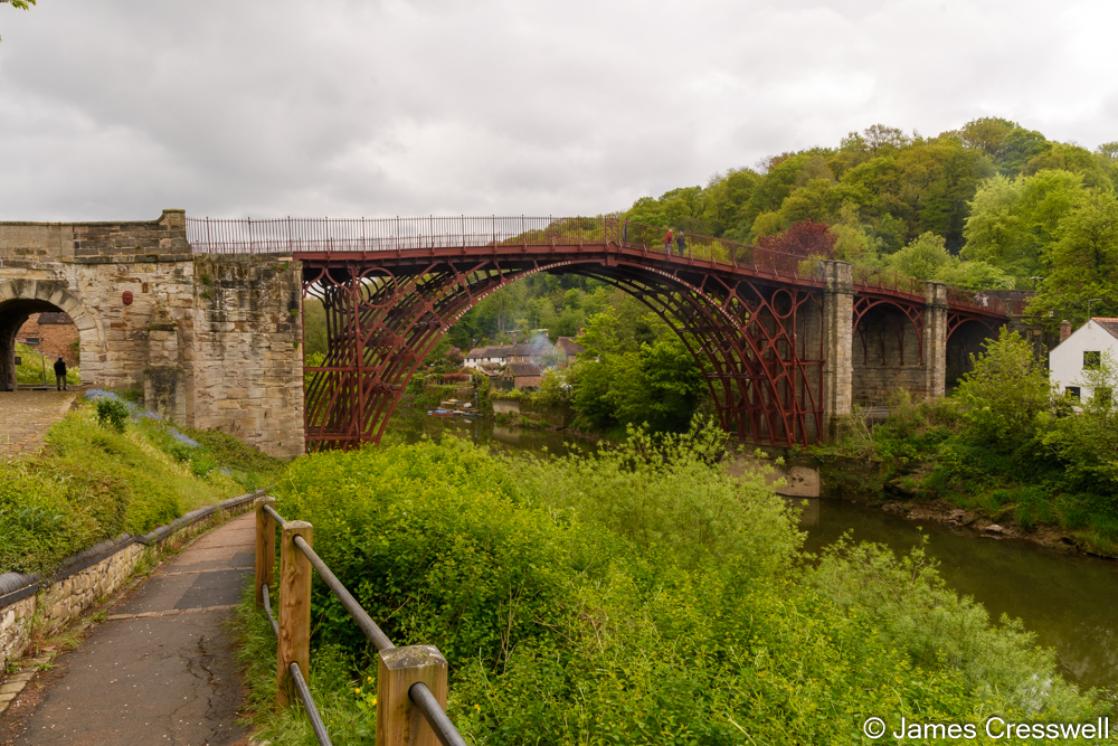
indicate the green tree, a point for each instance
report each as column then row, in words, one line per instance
column 1094, row 170
column 923, row 258
column 1084, row 264
column 1003, row 394
column 974, row 275
column 1013, row 222
column 937, row 178
column 634, row 370
column 1009, row 145
column 725, row 197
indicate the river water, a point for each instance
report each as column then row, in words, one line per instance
column 1069, row 602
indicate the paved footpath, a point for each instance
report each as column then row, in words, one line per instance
column 25, row 417
column 161, row 669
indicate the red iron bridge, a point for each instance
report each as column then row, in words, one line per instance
column 788, row 344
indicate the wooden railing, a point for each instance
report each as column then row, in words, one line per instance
column 411, row 681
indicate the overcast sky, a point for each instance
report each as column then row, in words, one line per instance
column 115, row 109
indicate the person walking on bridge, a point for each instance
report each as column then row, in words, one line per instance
column 60, row 373
column 680, row 242
column 668, row 241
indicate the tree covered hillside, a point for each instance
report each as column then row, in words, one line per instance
column 991, row 205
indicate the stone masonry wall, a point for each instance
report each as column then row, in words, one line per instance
column 248, row 350
column 213, row 342
column 15, row 629
column 85, row 270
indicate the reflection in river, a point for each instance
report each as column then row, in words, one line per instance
column 1069, row 602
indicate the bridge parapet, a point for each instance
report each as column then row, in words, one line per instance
column 96, row 242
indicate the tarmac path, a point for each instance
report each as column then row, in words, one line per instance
column 161, row 668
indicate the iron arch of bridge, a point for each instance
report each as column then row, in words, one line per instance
column 758, row 342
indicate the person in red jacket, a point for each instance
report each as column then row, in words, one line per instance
column 668, row 241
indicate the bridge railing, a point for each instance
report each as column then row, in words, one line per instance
column 717, row 250
column 411, row 681
column 286, row 235
column 1011, row 304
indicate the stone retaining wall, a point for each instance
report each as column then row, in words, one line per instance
column 32, row 607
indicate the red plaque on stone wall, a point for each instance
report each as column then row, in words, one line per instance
column 126, row 296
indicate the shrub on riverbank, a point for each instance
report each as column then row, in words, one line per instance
column 637, row 596
column 90, row 483
column 1006, row 445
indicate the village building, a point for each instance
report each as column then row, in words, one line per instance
column 1080, row 353
column 567, row 350
column 540, row 352
column 523, row 376
column 53, row 334
column 521, row 365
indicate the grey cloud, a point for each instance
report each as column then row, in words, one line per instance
column 116, row 109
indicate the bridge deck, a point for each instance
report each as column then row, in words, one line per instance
column 328, row 241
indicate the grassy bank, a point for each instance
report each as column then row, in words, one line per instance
column 637, row 596
column 1003, row 445
column 92, row 482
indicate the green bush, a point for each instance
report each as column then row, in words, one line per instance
column 635, row 596
column 112, row 413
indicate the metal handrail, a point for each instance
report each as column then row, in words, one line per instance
column 276, row 516
column 268, row 609
column 419, row 693
column 317, row 725
column 374, row 633
column 422, row 697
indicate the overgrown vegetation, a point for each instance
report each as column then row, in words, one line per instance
column 636, row 596
column 93, row 482
column 1005, row 444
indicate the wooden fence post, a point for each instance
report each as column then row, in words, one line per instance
column 265, row 547
column 294, row 643
column 399, row 722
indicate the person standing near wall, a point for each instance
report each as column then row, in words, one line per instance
column 60, row 373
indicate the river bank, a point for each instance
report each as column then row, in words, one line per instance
column 1059, row 591
column 857, row 478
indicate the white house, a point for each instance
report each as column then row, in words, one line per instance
column 1071, row 362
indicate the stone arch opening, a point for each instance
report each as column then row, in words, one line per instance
column 51, row 305
column 965, row 339
column 888, row 352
